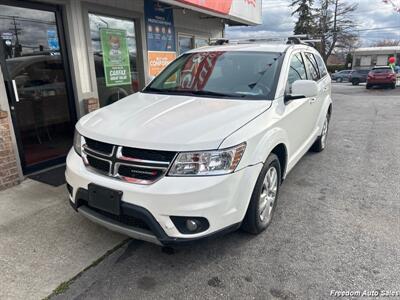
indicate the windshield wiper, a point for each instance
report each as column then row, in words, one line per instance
column 211, row 93
column 191, row 92
column 155, row 90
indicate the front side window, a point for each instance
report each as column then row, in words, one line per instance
column 234, row 74
column 297, row 71
column 312, row 67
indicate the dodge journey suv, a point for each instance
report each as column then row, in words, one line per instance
column 204, row 148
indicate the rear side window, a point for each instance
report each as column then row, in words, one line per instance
column 321, row 66
column 297, row 70
column 312, row 67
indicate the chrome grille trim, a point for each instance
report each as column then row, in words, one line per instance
column 86, row 148
column 116, row 160
column 132, row 159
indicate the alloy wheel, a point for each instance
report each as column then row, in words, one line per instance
column 268, row 195
column 324, row 134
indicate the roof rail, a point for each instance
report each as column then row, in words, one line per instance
column 300, row 39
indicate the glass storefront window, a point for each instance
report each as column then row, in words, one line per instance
column 185, row 43
column 200, row 42
column 189, row 42
column 110, row 94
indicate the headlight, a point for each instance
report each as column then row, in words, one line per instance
column 207, row 163
column 78, row 143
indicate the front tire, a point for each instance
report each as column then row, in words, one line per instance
column 264, row 198
column 393, row 86
column 320, row 143
column 369, row 86
column 356, row 82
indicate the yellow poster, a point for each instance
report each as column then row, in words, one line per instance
column 158, row 60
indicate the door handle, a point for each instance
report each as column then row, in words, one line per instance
column 312, row 100
column 14, row 84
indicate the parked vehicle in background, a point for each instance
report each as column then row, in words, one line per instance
column 341, row 75
column 358, row 76
column 382, row 76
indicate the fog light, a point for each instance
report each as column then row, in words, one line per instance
column 192, row 225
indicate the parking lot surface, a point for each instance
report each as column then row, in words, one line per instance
column 336, row 228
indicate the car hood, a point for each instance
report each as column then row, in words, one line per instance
column 169, row 122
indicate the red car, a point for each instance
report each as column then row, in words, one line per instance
column 382, row 76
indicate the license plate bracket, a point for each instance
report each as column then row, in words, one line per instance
column 105, row 199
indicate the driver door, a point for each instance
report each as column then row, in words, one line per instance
column 298, row 119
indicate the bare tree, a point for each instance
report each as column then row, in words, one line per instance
column 335, row 25
column 387, row 43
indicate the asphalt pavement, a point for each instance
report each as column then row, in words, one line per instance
column 336, row 228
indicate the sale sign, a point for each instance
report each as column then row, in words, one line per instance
column 115, row 57
column 159, row 60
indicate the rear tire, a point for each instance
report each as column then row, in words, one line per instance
column 339, row 80
column 264, row 198
column 393, row 86
column 368, row 86
column 320, row 143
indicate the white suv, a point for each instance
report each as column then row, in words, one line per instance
column 204, row 148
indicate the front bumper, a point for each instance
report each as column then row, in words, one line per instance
column 222, row 200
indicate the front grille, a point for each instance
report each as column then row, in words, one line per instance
column 164, row 156
column 99, row 164
column 99, row 147
column 125, row 163
column 139, row 172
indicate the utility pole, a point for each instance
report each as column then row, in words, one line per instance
column 16, row 30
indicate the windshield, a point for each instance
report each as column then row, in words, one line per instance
column 234, row 74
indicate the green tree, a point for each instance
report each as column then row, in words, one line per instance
column 305, row 23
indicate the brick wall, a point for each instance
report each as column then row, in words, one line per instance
column 8, row 164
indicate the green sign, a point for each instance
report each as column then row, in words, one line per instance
column 115, row 57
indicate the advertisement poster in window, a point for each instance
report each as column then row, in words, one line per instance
column 115, row 57
column 160, row 36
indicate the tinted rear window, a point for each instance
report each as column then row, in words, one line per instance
column 382, row 71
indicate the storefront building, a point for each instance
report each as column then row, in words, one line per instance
column 61, row 59
column 367, row 58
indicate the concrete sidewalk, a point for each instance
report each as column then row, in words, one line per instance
column 43, row 242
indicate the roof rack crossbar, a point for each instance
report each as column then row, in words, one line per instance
column 290, row 40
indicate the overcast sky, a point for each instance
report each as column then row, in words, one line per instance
column 373, row 18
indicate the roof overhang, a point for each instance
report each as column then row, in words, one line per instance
column 380, row 50
column 235, row 12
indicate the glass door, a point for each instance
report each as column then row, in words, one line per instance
column 34, row 69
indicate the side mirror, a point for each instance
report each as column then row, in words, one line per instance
column 303, row 89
